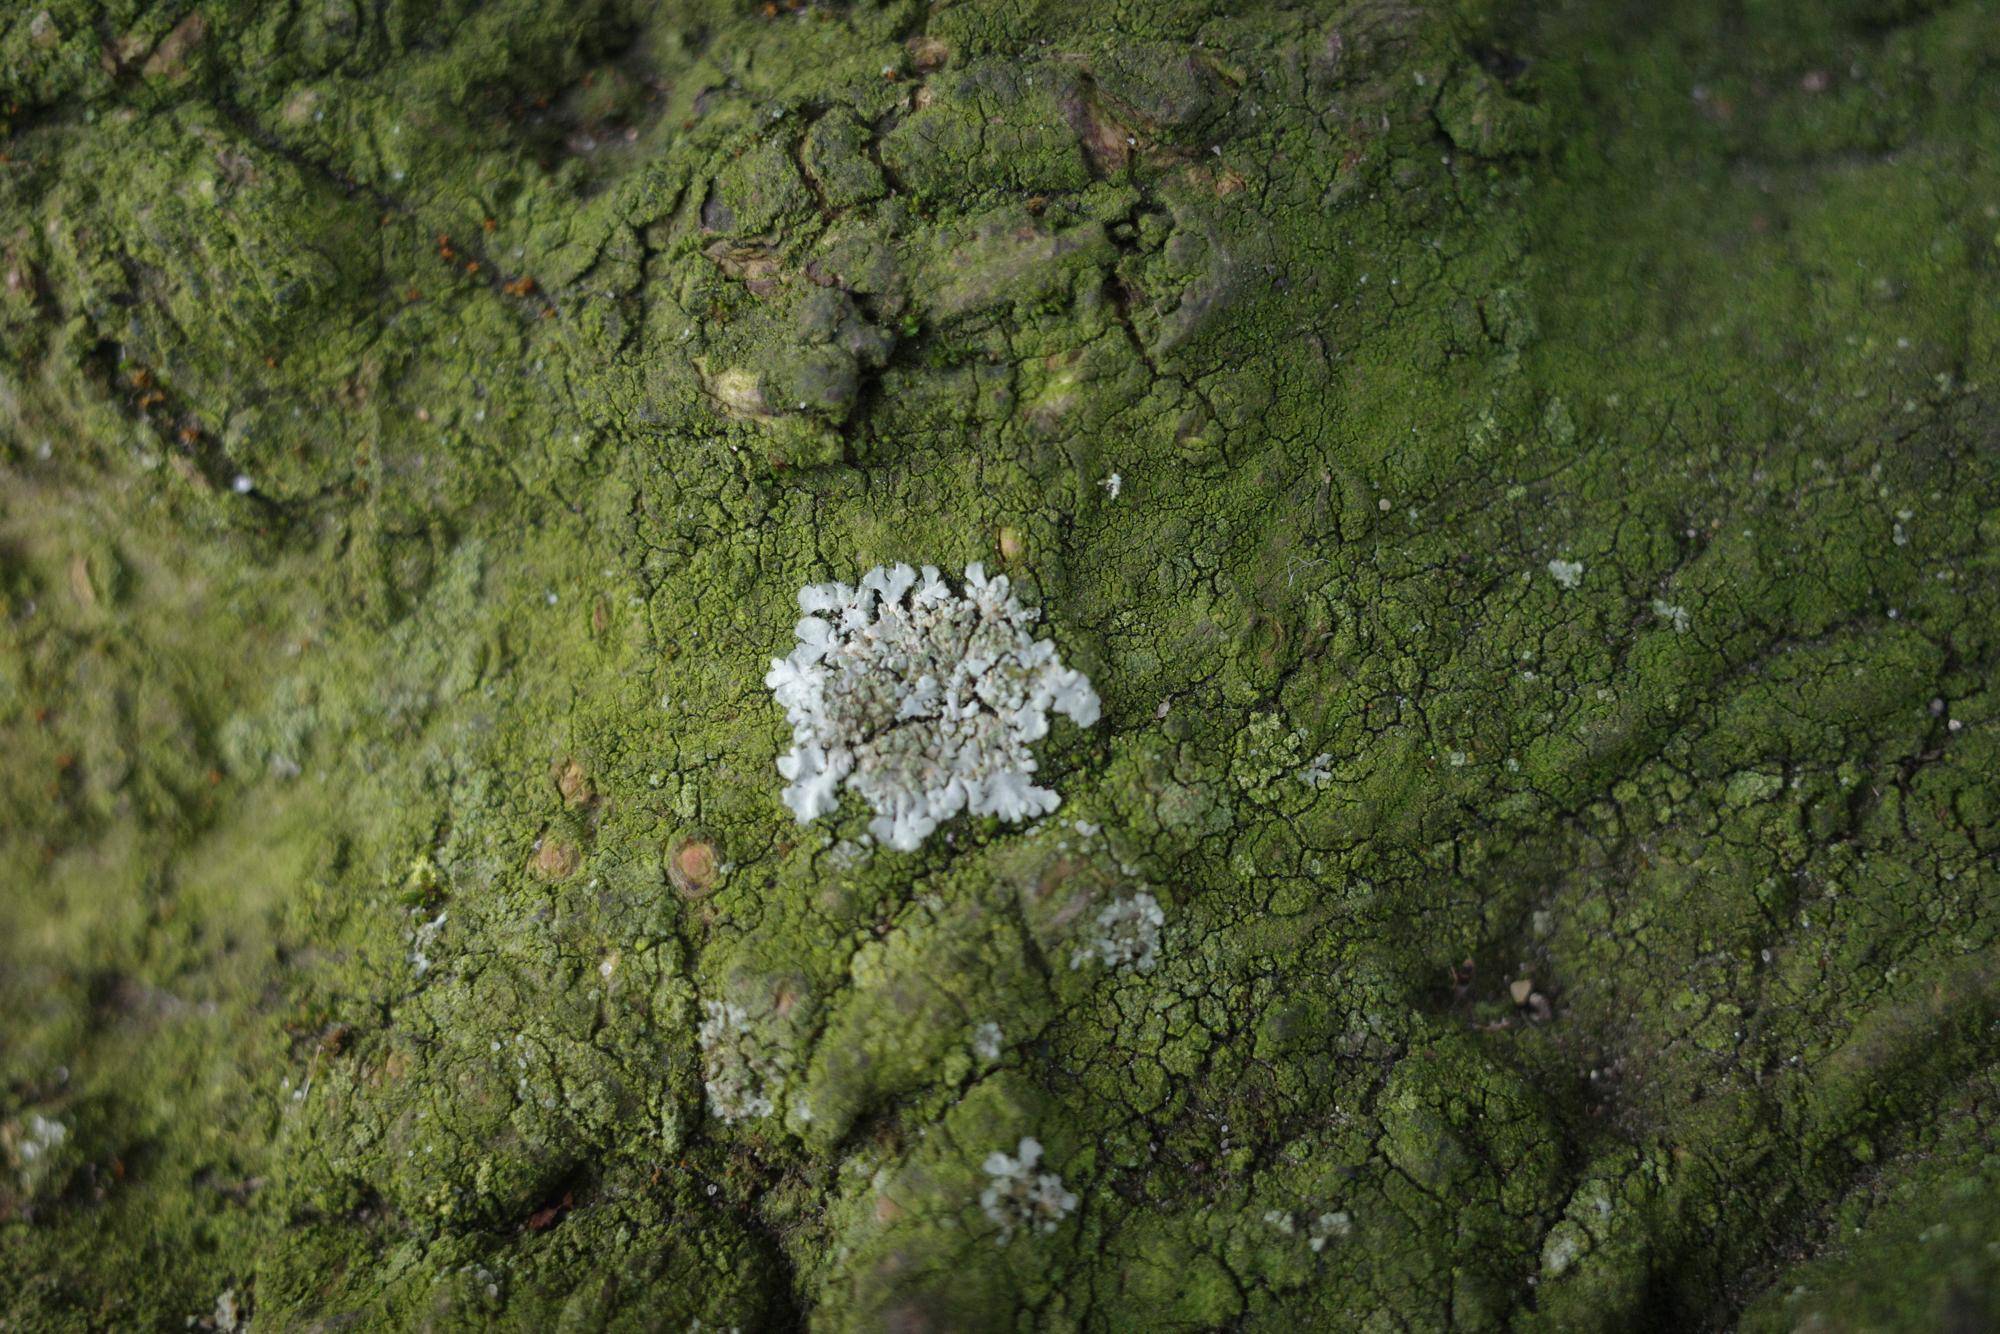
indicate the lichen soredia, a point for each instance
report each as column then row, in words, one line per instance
column 922, row 700
column 1018, row 1198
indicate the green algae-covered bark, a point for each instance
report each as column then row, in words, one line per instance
column 1546, row 616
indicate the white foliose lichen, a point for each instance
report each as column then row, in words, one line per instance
column 742, row 1073
column 421, row 942
column 1319, row 773
column 922, row 700
column 30, row 1145
column 1127, row 935
column 1567, row 573
column 1329, row 1227
column 1018, row 1198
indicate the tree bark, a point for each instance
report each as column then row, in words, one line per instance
column 1521, row 481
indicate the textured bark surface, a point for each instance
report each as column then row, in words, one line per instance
column 1524, row 481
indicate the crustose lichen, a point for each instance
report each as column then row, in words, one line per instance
column 922, row 700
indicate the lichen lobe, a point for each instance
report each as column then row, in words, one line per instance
column 924, row 701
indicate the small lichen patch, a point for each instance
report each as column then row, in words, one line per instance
column 1564, row 1245
column 1329, row 1227
column 850, row 853
column 31, row 1143
column 1018, row 1198
column 1567, row 573
column 421, row 942
column 1127, row 936
column 742, row 1075
column 922, row 700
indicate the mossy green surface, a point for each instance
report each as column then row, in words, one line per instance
column 1546, row 617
